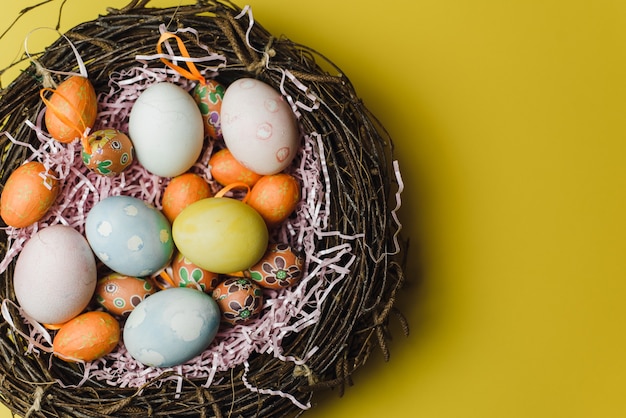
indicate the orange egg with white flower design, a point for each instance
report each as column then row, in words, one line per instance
column 275, row 197
column 187, row 274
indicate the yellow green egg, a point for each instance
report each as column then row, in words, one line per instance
column 220, row 234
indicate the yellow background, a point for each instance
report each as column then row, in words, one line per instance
column 508, row 119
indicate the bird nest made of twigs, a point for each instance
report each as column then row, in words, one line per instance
column 309, row 336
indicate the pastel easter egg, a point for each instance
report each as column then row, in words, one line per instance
column 167, row 130
column 239, row 300
column 28, row 194
column 275, row 197
column 110, row 152
column 55, row 275
column 221, row 235
column 209, row 99
column 129, row 236
column 182, row 191
column 226, row 170
column 171, row 327
column 187, row 274
column 87, row 337
column 72, row 109
column 279, row 268
column 120, row 294
column 258, row 126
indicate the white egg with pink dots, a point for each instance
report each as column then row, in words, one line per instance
column 258, row 126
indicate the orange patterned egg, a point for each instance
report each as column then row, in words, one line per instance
column 187, row 274
column 72, row 108
column 226, row 170
column 275, row 197
column 280, row 267
column 28, row 194
column 120, row 294
column 182, row 191
column 111, row 152
column 209, row 99
column 239, row 300
column 87, row 337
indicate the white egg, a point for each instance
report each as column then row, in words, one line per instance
column 258, row 126
column 166, row 129
column 55, row 275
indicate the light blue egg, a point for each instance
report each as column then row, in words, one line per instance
column 171, row 327
column 130, row 236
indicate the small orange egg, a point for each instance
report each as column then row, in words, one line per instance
column 226, row 170
column 239, row 300
column 111, row 152
column 275, row 197
column 28, row 194
column 120, row 294
column 209, row 99
column 72, row 108
column 187, row 274
column 280, row 267
column 87, row 337
column 182, row 191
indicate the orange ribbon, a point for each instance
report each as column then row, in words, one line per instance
column 235, row 185
column 193, row 73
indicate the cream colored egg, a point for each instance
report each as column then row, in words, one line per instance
column 167, row 130
column 55, row 275
column 258, row 126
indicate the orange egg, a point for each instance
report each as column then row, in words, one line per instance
column 87, row 337
column 120, row 294
column 182, row 191
column 275, row 197
column 280, row 267
column 110, row 152
column 187, row 274
column 71, row 109
column 209, row 99
column 226, row 170
column 28, row 194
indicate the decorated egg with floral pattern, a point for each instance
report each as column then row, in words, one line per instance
column 187, row 274
column 110, row 152
column 280, row 267
column 209, row 99
column 239, row 300
column 120, row 294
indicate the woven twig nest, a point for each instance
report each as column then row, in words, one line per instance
column 352, row 272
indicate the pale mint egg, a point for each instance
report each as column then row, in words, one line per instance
column 171, row 327
column 129, row 236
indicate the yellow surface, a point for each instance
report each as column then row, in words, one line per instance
column 508, row 118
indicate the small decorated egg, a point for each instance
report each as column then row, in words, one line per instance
column 129, row 236
column 226, row 170
column 275, row 197
column 55, row 275
column 209, row 99
column 171, row 327
column 258, row 126
column 167, row 130
column 72, row 109
column 239, row 300
column 187, row 274
column 182, row 191
column 120, row 294
column 220, row 234
column 110, row 153
column 280, row 267
column 87, row 337
column 28, row 194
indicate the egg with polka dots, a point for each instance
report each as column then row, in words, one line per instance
column 129, row 236
column 258, row 126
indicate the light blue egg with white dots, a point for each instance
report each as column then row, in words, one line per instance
column 129, row 235
column 171, row 327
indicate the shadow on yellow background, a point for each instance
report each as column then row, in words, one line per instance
column 508, row 120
